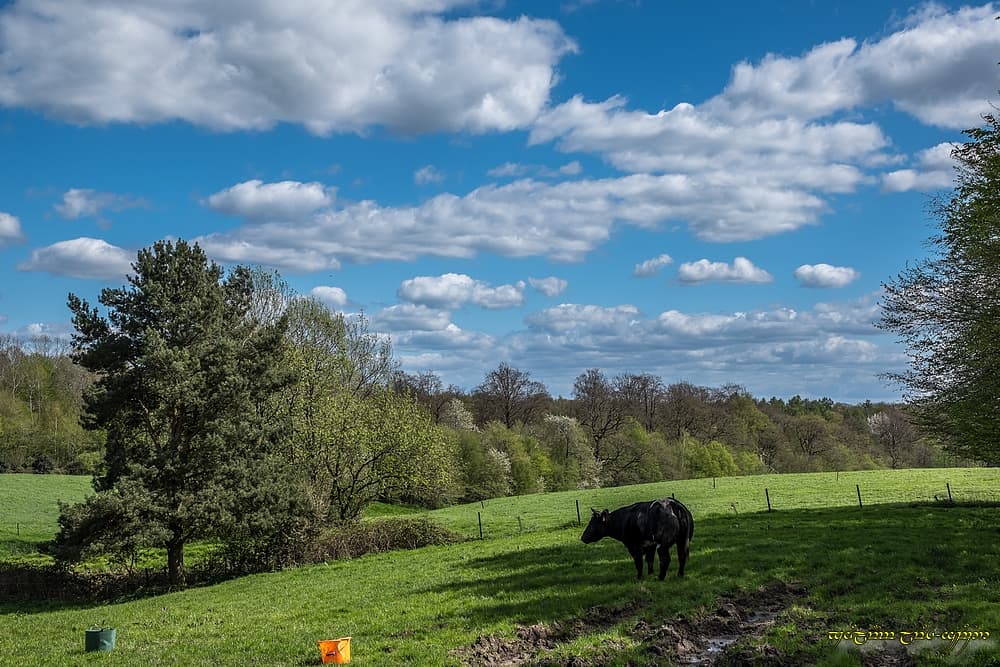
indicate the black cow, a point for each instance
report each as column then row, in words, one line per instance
column 645, row 528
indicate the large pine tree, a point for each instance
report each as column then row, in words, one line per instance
column 946, row 309
column 185, row 373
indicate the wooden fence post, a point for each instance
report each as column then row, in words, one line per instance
column 480, row 516
column 768, row 497
column 858, row 487
column 578, row 520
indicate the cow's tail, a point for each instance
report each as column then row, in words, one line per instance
column 688, row 517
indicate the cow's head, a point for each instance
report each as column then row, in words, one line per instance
column 597, row 528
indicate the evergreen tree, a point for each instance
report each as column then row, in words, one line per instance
column 185, row 373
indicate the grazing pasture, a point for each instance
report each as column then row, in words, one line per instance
column 543, row 595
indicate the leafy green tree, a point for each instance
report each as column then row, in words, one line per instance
column 712, row 459
column 380, row 446
column 573, row 465
column 946, row 309
column 352, row 437
column 184, row 371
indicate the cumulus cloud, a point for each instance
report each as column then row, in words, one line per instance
column 285, row 200
column 571, row 168
column 83, row 202
column 428, row 174
column 410, row 317
column 562, row 221
column 551, row 286
column 934, row 169
column 509, row 169
column 752, row 178
column 833, row 342
column 10, row 229
column 742, row 270
column 825, row 275
column 568, row 317
column 453, row 290
column 334, row 297
column 518, row 169
column 786, row 132
column 651, row 267
column 411, row 66
column 936, row 66
column 81, row 258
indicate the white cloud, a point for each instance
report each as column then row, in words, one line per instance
column 562, row 221
column 753, row 179
column 508, row 169
column 787, row 132
column 81, row 258
column 334, row 297
column 742, row 270
column 937, row 66
column 571, row 168
column 934, row 169
column 517, row 169
column 569, row 317
column 412, row 66
column 410, row 317
column 428, row 174
column 285, row 200
column 10, row 229
column 551, row 286
column 825, row 275
column 83, row 202
column 832, row 349
column 453, row 290
column 651, row 267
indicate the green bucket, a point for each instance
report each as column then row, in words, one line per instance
column 100, row 639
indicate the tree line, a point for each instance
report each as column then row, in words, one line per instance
column 232, row 409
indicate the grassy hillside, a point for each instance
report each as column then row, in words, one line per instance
column 29, row 508
column 730, row 496
column 900, row 567
column 889, row 566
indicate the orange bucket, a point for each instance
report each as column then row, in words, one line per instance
column 336, row 651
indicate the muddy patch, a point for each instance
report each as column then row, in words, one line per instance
column 727, row 633
column 530, row 642
column 722, row 636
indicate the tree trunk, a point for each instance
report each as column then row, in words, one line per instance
column 175, row 561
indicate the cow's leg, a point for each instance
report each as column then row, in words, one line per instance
column 650, row 555
column 664, row 560
column 636, row 552
column 683, row 547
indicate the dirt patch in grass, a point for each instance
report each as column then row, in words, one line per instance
column 726, row 634
column 723, row 636
column 530, row 642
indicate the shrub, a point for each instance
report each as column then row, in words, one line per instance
column 42, row 466
column 357, row 538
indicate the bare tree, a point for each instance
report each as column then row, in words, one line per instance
column 598, row 407
column 427, row 389
column 641, row 396
column 687, row 409
column 509, row 395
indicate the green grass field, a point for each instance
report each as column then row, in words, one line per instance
column 895, row 566
column 29, row 507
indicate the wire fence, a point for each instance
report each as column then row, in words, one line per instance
column 734, row 496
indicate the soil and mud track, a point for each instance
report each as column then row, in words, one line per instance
column 725, row 635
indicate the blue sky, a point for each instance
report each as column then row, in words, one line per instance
column 696, row 190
